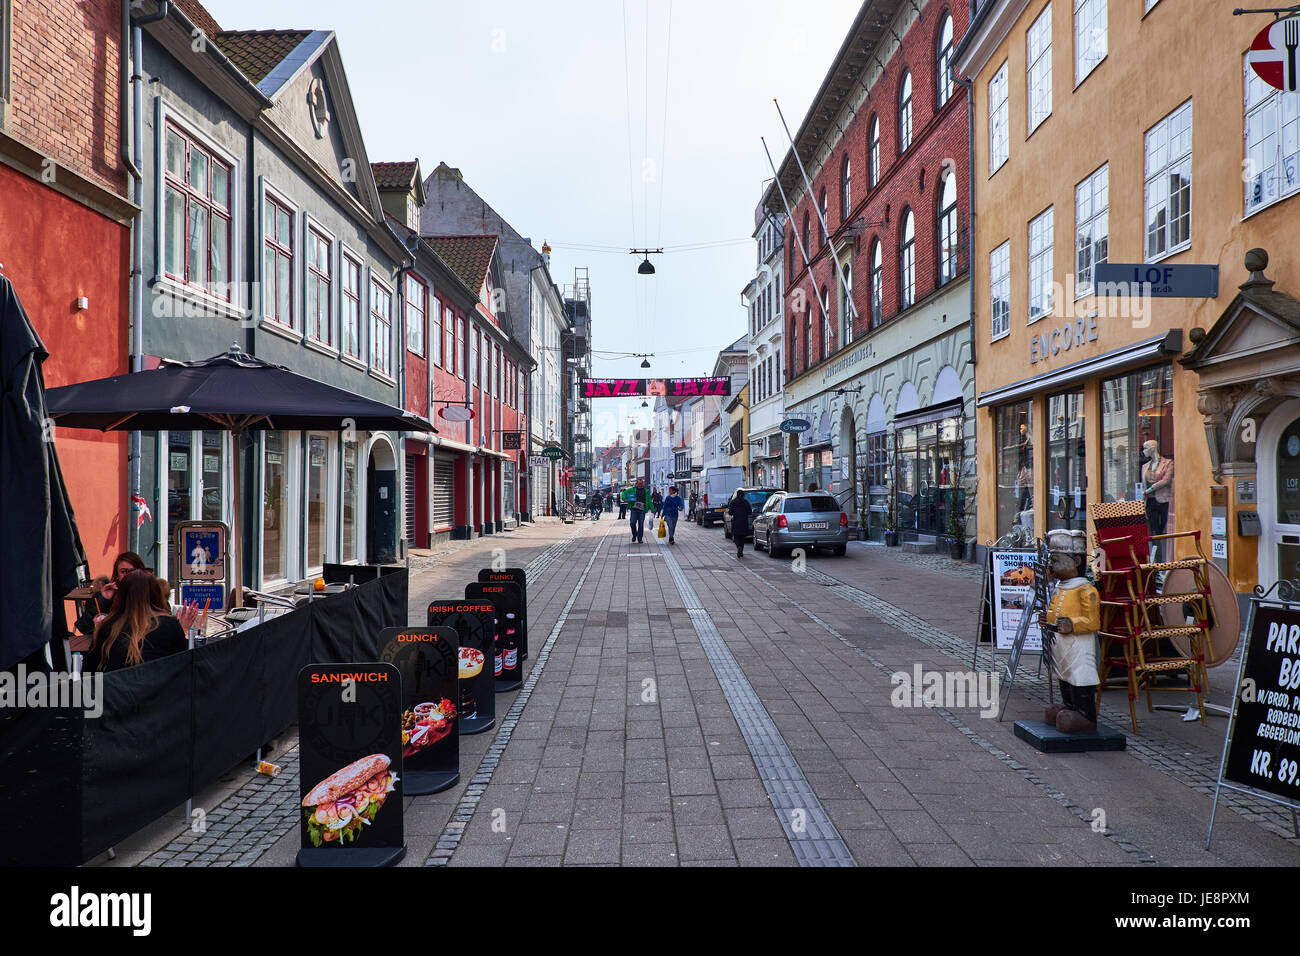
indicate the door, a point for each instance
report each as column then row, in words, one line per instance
column 1067, row 480
column 381, row 513
column 1284, row 533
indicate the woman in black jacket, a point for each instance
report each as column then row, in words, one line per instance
column 740, row 510
column 98, row 604
column 136, row 630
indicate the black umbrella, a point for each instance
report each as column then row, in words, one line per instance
column 236, row 392
column 40, row 550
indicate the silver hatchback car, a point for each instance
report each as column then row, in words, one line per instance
column 801, row 520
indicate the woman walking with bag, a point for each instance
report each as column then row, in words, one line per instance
column 740, row 510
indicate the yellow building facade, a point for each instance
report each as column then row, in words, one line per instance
column 1134, row 132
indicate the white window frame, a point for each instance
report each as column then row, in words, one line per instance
column 1095, row 187
column 290, row 332
column 1154, row 135
column 363, row 307
column 873, row 152
column 877, row 253
column 236, row 307
column 333, row 480
column 309, row 224
column 409, row 277
column 999, row 120
column 943, row 62
column 1090, row 37
column 1038, row 70
column 1000, row 282
column 374, row 277
column 947, row 229
column 906, row 95
column 845, row 285
column 293, row 472
column 1039, row 271
column 1263, row 169
column 907, row 263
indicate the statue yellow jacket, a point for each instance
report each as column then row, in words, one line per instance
column 1075, row 655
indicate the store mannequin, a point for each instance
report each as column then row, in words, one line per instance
column 1074, row 616
column 1158, row 479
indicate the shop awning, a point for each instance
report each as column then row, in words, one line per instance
column 1148, row 350
column 931, row 413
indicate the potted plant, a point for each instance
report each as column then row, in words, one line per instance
column 957, row 534
column 891, row 523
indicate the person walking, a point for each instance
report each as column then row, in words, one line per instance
column 595, row 504
column 672, row 508
column 740, row 510
column 638, row 503
column 622, row 504
column 690, row 515
column 657, row 501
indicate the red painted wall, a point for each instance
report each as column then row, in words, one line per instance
column 55, row 250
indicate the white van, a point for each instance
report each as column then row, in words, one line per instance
column 717, row 485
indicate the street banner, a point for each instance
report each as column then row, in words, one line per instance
column 1264, row 748
column 1013, row 591
column 427, row 659
column 474, row 624
column 520, row 577
column 505, row 599
column 350, row 765
column 670, row 388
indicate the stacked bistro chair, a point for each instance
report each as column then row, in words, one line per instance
column 1133, row 635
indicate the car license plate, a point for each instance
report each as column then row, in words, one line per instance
column 814, row 525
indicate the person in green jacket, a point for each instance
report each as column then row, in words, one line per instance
column 638, row 502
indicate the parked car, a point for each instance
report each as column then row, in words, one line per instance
column 717, row 485
column 757, row 498
column 801, row 520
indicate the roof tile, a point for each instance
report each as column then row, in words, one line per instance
column 467, row 256
column 257, row 52
column 393, row 175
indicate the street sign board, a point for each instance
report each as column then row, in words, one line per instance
column 1272, row 58
column 1159, row 281
column 795, row 425
column 554, row 454
column 512, row 441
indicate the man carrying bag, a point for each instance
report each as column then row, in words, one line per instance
column 638, row 502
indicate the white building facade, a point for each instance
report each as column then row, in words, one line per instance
column 767, row 366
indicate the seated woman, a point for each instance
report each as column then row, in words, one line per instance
column 98, row 604
column 135, row 629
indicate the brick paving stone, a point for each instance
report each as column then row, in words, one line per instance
column 650, row 854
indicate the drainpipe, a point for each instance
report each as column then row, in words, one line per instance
column 970, row 218
column 132, row 150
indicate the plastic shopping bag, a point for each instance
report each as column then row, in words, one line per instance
column 663, row 529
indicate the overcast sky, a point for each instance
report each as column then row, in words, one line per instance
column 555, row 114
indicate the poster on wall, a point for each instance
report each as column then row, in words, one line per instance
column 350, row 754
column 1013, row 592
column 1264, row 749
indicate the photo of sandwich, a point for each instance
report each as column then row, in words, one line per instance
column 425, row 724
column 343, row 803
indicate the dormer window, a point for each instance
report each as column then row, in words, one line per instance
column 412, row 214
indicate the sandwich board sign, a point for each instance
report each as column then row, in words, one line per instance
column 427, row 659
column 350, row 757
column 475, row 627
column 520, row 577
column 505, row 600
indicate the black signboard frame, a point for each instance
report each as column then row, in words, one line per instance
column 460, row 614
column 502, row 596
column 1278, row 605
column 428, row 659
column 520, row 577
column 329, row 744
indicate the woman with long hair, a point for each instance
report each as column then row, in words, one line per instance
column 135, row 629
column 97, row 606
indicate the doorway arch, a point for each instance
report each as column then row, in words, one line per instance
column 1272, row 499
column 381, row 500
column 849, row 464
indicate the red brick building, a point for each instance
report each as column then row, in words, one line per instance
column 878, row 358
column 65, row 225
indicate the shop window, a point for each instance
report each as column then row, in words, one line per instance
column 1272, row 166
column 349, row 542
column 1015, row 468
column 877, row 479
column 212, row 477
column 275, row 507
column 317, row 500
column 927, row 472
column 180, row 485
column 1067, row 480
column 1137, row 438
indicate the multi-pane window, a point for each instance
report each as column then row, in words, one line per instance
column 1272, row 167
column 449, row 331
column 197, row 216
column 1091, row 227
column 1040, row 265
column 873, row 153
column 1000, row 290
column 460, row 348
column 350, row 323
column 846, row 305
column 381, row 328
column 999, row 140
column 277, row 262
column 947, row 227
column 907, row 262
column 877, row 284
column 822, row 221
column 473, row 359
column 1169, row 183
column 846, row 194
column 828, row 337
column 807, row 335
column 905, row 113
column 416, row 309
column 807, row 247
column 943, row 62
column 1038, row 43
column 1089, row 36
column 319, row 285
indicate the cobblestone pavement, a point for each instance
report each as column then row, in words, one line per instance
column 685, row 707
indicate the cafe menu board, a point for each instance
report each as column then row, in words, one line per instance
column 350, row 758
column 475, row 627
column 427, row 659
column 1013, row 594
column 520, row 577
column 1264, row 749
column 506, row 599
